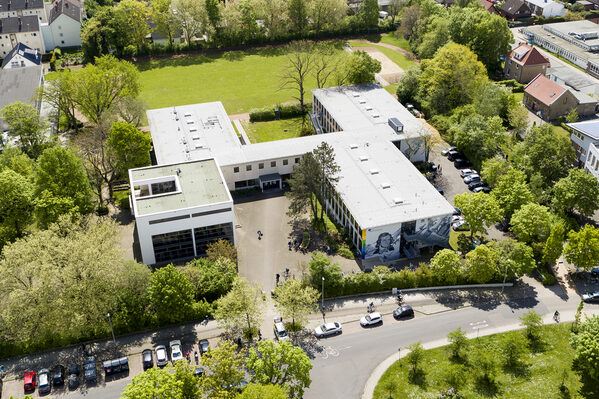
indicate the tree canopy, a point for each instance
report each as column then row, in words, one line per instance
column 480, row 211
column 171, row 294
column 582, row 247
column 295, row 300
column 25, row 123
column 577, row 192
column 240, row 310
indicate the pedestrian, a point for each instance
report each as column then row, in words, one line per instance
column 277, row 277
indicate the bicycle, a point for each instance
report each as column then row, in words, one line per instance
column 370, row 307
column 556, row 316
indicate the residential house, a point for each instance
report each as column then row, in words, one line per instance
column 546, row 8
column 15, row 30
column 549, row 100
column 64, row 25
column 22, row 8
column 584, row 135
column 21, row 57
column 524, row 63
column 489, row 6
column 515, row 9
column 592, row 161
column 588, row 6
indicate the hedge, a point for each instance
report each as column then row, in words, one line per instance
column 284, row 112
column 516, row 86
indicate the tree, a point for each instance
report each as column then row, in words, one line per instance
column 532, row 322
column 163, row 18
column 184, row 374
column 325, row 63
column 99, row 85
column 16, row 204
column 481, row 263
column 302, row 185
column 512, row 192
column 478, row 137
column 295, row 300
column 582, row 247
column 300, row 63
column 394, row 8
column 62, row 175
column 225, row 363
column 171, row 295
column 129, row 146
column 447, row 266
column 26, row 125
column 154, row 383
column 213, row 277
column 409, row 20
column 324, row 13
column 12, row 158
column 572, row 116
column 213, row 13
column 492, row 100
column 518, row 118
column 515, row 350
column 586, row 343
column 321, row 267
column 137, row 15
column 415, row 357
column 324, row 155
column 579, row 191
column 408, row 85
column 222, row 248
column 362, row 67
column 369, row 13
column 106, row 32
column 190, row 17
column 281, row 364
column 298, row 15
column 241, row 309
column 437, row 36
column 273, row 13
column 59, row 93
column 257, row 391
column 515, row 256
column 532, row 223
column 450, row 79
column 485, row 364
column 458, row 343
column 480, row 211
column 493, row 169
column 554, row 245
column 545, row 152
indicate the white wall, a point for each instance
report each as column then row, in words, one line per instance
column 18, row 61
column 145, row 230
column 592, row 161
column 231, row 177
column 66, row 32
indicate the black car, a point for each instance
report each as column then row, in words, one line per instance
column 204, row 346
column 89, row 366
column 403, row 311
column 453, row 155
column 591, row 297
column 147, row 359
column 58, row 375
column 73, row 379
column 440, row 190
column 475, row 184
column 457, row 211
column 461, row 163
column 199, row 371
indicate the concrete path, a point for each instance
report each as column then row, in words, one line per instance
column 241, row 130
column 244, row 117
column 403, row 51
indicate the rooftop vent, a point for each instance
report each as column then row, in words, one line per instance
column 356, row 94
column 368, row 107
column 551, row 95
column 364, row 158
column 190, row 122
column 187, row 114
column 375, row 115
column 195, row 137
column 385, row 185
column 362, row 101
column 199, row 145
column 396, row 125
column 353, row 146
column 193, row 129
column 374, row 171
column 397, row 201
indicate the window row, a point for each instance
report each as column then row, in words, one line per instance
column 273, row 164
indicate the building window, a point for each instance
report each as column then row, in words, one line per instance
column 164, row 187
column 273, row 164
column 261, row 166
column 34, row 34
column 62, row 41
column 248, row 167
column 172, row 246
column 285, row 162
column 208, row 234
column 236, row 169
column 60, row 34
column 297, row 160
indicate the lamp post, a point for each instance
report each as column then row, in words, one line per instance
column 111, row 330
column 322, row 303
column 398, row 354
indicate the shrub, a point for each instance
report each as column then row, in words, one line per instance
column 345, row 252
column 262, row 115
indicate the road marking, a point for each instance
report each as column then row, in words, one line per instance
column 329, row 351
column 479, row 324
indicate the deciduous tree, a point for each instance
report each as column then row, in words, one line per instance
column 515, row 350
column 25, row 123
column 13, row 158
column 241, row 309
column 296, row 300
column 577, row 192
column 214, row 277
column 300, row 63
column 163, row 18
column 154, row 383
column 480, row 211
column 481, row 263
column 532, row 223
column 458, row 343
column 586, row 343
column 129, row 146
column 369, row 13
column 225, row 363
column 190, row 17
column 298, row 15
column 137, row 15
column 171, row 294
column 582, row 248
column 257, row 391
column 554, row 245
column 325, row 13
column 16, row 204
column 447, row 266
column 512, row 192
column 222, row 248
column 493, row 169
column 362, row 67
column 532, row 322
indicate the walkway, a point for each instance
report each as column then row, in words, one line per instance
column 405, row 52
column 244, row 137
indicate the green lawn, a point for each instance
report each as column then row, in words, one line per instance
column 392, row 88
column 539, row 378
column 396, row 41
column 401, row 60
column 242, row 80
column 259, row 132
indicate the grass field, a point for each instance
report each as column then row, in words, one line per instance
column 396, row 41
column 401, row 60
column 540, row 377
column 259, row 132
column 392, row 88
column 242, row 80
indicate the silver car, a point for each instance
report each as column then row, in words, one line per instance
column 43, row 380
column 161, row 356
column 466, row 172
column 327, row 329
column 471, row 178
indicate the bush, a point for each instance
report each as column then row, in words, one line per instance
column 284, row 112
column 201, row 309
column 345, row 251
column 547, row 278
column 262, row 115
column 516, row 86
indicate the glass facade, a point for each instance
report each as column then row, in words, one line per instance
column 208, row 234
column 171, row 246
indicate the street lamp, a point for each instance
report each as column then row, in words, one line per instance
column 322, row 305
column 398, row 354
column 111, row 330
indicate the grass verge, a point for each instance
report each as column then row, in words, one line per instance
column 401, row 60
column 259, row 132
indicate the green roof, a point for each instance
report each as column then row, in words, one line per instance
column 200, row 184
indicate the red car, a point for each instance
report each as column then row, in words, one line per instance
column 29, row 383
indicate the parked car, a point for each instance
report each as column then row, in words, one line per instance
column 595, row 272
column 176, row 351
column 440, row 190
column 29, row 381
column 470, row 178
column 327, row 329
column 115, row 366
column 476, row 183
column 204, row 346
column 453, row 155
column 457, row 211
column 43, row 381
column 371, row 319
column 403, row 311
column 280, row 331
column 466, row 172
column 147, row 359
column 89, row 367
column 58, row 375
column 591, row 297
column 460, row 226
column 447, row 150
column 461, row 163
column 482, row 189
column 161, row 356
column 73, row 379
column 456, row 218
column 199, row 371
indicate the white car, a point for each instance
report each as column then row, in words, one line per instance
column 161, row 356
column 176, row 353
column 466, row 172
column 446, row 151
column 327, row 329
column 471, row 178
column 456, row 218
column 371, row 319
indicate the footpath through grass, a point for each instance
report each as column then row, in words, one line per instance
column 401, row 60
column 540, row 376
column 259, row 132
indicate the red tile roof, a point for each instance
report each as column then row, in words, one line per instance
column 544, row 90
column 489, row 6
column 532, row 56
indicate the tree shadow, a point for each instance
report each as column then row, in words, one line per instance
column 487, row 388
column 177, row 61
column 519, row 370
column 418, row 377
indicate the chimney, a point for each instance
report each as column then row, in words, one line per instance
column 20, row 24
column 66, row 4
column 26, row 4
column 9, row 4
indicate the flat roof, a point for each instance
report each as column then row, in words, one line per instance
column 589, row 128
column 199, row 183
column 559, row 34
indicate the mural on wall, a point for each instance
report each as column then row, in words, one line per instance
column 431, row 232
column 383, row 243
